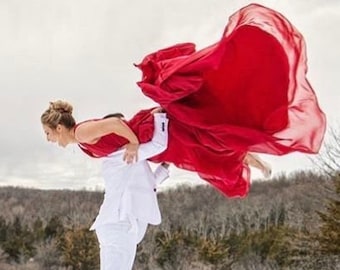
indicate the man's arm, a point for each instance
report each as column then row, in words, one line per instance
column 159, row 140
column 90, row 131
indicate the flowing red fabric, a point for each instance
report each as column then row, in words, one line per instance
column 247, row 92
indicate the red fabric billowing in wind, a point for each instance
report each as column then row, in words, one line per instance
column 247, row 92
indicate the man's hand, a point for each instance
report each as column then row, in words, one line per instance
column 157, row 110
column 131, row 153
column 165, row 164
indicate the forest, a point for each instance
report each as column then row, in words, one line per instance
column 288, row 222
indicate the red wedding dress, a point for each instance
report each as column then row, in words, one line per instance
column 246, row 93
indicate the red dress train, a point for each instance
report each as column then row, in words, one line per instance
column 247, row 92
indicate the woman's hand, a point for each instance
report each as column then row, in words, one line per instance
column 131, row 153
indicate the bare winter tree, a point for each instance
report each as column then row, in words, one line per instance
column 329, row 161
column 329, row 158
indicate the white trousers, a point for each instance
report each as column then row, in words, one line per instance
column 118, row 244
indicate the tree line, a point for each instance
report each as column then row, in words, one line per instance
column 289, row 222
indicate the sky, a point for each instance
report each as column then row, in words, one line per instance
column 83, row 51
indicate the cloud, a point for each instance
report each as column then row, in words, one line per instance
column 83, row 52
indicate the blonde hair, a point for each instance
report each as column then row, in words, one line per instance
column 59, row 112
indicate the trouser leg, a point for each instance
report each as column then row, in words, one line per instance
column 140, row 232
column 117, row 246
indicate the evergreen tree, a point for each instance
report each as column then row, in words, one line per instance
column 329, row 238
column 19, row 243
column 54, row 227
column 3, row 229
column 38, row 229
column 79, row 249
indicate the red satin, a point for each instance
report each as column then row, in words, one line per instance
column 247, row 92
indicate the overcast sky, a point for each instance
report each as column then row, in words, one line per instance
column 83, row 51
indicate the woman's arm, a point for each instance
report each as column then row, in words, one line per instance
column 157, row 145
column 92, row 131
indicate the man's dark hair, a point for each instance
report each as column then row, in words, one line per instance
column 118, row 115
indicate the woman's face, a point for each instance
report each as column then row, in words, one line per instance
column 58, row 135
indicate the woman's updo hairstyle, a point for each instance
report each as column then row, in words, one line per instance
column 59, row 112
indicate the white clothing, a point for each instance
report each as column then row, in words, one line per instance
column 118, row 245
column 130, row 188
column 130, row 201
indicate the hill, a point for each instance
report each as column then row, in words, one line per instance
column 276, row 227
